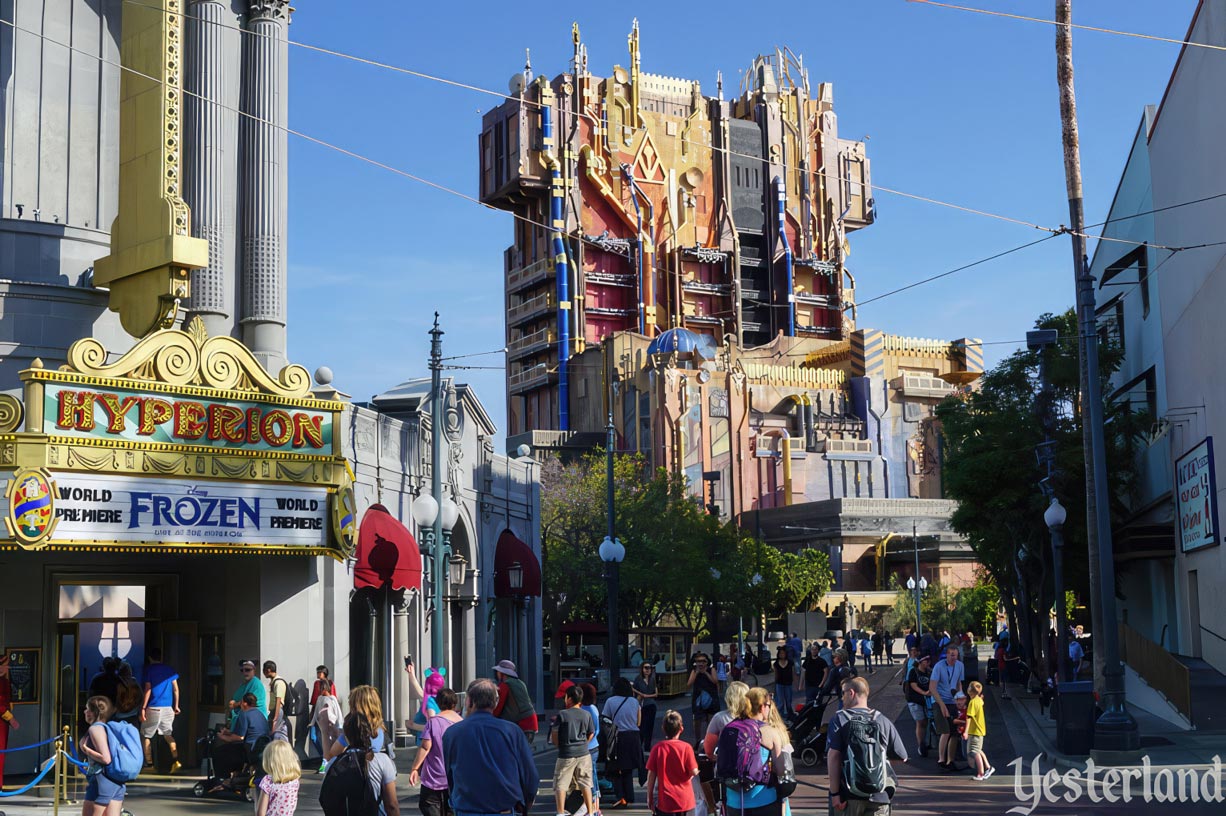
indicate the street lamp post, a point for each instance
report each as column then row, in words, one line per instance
column 1054, row 516
column 918, row 589
column 611, row 553
column 436, row 521
column 923, row 584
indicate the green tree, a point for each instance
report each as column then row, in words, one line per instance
column 989, row 467
column 682, row 564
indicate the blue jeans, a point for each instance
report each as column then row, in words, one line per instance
column 783, row 699
column 595, row 779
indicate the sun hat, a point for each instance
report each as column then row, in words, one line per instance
column 506, row 667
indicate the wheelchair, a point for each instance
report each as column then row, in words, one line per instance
column 243, row 783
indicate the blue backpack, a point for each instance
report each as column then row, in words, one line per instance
column 127, row 753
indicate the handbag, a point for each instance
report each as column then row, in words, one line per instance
column 703, row 701
column 784, row 774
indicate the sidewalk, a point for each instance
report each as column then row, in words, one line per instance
column 1163, row 743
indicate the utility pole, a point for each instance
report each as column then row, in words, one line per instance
column 1115, row 730
column 437, row 643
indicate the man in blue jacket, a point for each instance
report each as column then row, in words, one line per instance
column 490, row 768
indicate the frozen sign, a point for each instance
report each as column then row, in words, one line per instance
column 134, row 510
column 1196, row 497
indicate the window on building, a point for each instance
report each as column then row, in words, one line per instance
column 1110, row 322
column 1135, row 262
column 1141, row 393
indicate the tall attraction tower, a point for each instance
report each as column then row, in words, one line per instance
column 643, row 205
column 680, row 264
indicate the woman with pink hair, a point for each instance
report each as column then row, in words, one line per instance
column 434, row 679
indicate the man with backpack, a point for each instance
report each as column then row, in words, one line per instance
column 490, row 768
column 859, row 744
column 282, row 703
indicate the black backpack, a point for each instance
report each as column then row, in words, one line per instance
column 864, row 760
column 293, row 700
column 606, row 740
column 346, row 790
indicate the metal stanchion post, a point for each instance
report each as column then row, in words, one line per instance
column 59, row 775
column 64, row 765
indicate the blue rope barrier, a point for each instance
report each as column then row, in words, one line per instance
column 41, row 775
column 73, row 759
column 28, row 747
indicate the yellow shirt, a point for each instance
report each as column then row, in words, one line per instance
column 975, row 725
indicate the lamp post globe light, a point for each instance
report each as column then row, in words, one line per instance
column 430, row 516
column 918, row 589
column 611, row 550
column 1054, row 516
column 612, row 553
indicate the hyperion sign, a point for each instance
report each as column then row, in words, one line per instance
column 1196, row 497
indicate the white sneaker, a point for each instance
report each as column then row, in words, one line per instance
column 989, row 772
column 980, row 778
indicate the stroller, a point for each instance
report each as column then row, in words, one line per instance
column 808, row 733
column 242, row 784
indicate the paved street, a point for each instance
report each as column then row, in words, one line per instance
column 923, row 788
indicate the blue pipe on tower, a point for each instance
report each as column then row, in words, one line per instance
column 561, row 267
column 638, row 249
column 781, row 201
column 635, row 192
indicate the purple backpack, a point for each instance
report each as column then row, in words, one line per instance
column 739, row 764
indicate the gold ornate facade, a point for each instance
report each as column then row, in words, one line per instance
column 180, row 408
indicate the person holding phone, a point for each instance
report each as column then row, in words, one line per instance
column 704, row 689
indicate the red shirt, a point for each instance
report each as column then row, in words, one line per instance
column 674, row 764
column 322, row 687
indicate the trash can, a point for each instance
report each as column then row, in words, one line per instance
column 1075, row 709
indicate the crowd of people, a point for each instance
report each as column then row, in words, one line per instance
column 481, row 761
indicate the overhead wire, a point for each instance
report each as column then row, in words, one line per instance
column 522, row 218
column 639, row 128
column 946, row 274
column 1098, row 29
column 594, row 121
column 371, row 161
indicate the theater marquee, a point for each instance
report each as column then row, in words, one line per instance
column 183, row 443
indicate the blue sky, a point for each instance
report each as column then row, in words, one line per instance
column 956, row 106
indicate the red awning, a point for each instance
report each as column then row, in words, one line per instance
column 386, row 553
column 512, row 552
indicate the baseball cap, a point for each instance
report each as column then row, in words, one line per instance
column 561, row 692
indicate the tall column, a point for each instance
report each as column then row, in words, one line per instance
column 402, row 704
column 210, row 104
column 265, row 146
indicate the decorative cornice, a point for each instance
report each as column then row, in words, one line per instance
column 270, row 10
column 189, row 357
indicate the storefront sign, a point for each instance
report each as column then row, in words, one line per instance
column 23, row 674
column 133, row 510
column 1196, row 497
column 115, row 415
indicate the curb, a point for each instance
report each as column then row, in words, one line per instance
column 1060, row 760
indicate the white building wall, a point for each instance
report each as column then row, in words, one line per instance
column 390, row 457
column 1185, row 152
